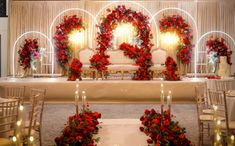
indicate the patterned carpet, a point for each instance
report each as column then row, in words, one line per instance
column 55, row 116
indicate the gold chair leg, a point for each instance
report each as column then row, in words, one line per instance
column 122, row 74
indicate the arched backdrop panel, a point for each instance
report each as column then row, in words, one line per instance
column 37, row 16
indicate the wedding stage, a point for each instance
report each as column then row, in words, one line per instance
column 59, row 89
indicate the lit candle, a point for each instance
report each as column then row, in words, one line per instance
column 168, row 100
column 84, row 100
column 162, row 97
column 170, row 97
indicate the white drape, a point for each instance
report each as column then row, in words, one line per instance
column 38, row 15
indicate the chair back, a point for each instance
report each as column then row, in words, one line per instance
column 201, row 95
column 37, row 97
column 8, row 115
column 224, row 85
column 218, row 98
column 15, row 92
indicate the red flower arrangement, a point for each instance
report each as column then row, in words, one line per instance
column 171, row 69
column 80, row 130
column 162, row 130
column 177, row 24
column 28, row 53
column 75, row 70
column 99, row 61
column 219, row 46
column 121, row 14
column 62, row 48
column 142, row 58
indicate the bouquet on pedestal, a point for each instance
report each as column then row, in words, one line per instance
column 29, row 53
column 218, row 46
column 171, row 69
column 75, row 70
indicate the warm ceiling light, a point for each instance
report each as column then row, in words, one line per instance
column 76, row 37
column 169, row 39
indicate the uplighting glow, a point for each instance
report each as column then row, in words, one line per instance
column 124, row 29
column 76, row 37
column 169, row 39
column 124, row 33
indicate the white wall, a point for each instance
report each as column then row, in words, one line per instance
column 4, row 33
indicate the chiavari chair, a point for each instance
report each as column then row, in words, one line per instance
column 34, row 124
column 224, row 85
column 8, row 118
column 205, row 118
column 15, row 92
column 218, row 98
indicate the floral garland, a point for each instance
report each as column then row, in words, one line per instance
column 162, row 130
column 63, row 49
column 177, row 24
column 123, row 15
column 75, row 70
column 171, row 69
column 80, row 130
column 29, row 53
column 218, row 45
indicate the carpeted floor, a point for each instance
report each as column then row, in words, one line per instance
column 55, row 116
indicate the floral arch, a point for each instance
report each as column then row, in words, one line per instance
column 140, row 52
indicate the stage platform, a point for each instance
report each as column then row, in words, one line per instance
column 59, row 89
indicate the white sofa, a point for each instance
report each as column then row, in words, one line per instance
column 120, row 62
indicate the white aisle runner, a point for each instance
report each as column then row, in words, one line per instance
column 121, row 132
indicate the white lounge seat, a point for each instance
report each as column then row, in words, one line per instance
column 120, row 62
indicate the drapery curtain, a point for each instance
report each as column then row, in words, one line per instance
column 38, row 15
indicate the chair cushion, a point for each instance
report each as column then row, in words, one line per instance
column 5, row 142
column 122, row 67
column 27, row 124
column 118, row 57
column 207, row 111
column 206, row 117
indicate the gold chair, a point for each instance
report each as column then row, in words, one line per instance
column 8, row 118
column 218, row 98
column 37, row 97
column 224, row 85
column 205, row 119
column 15, row 92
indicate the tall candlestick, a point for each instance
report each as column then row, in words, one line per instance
column 162, row 100
column 162, row 87
column 76, row 101
column 84, row 100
